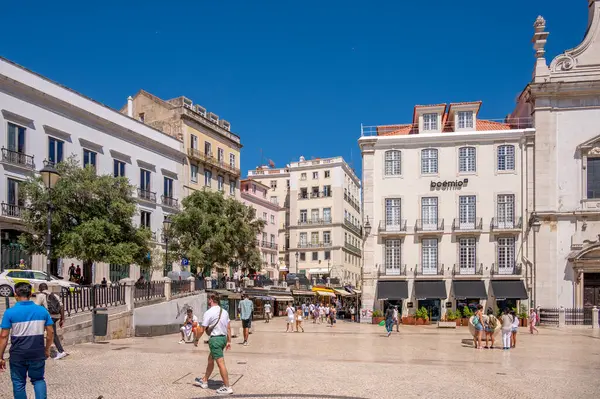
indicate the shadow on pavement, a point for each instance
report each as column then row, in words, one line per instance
column 276, row 395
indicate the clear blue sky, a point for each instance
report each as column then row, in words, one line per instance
column 293, row 78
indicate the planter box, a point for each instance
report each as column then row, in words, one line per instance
column 446, row 324
column 377, row 320
column 464, row 322
column 408, row 320
column 421, row 322
column 523, row 323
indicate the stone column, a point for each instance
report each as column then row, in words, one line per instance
column 595, row 325
column 167, row 288
column 561, row 317
column 129, row 291
column 192, row 281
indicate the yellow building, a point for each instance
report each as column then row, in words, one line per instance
column 213, row 151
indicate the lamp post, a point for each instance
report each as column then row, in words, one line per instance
column 366, row 232
column 329, row 269
column 50, row 177
column 166, row 228
column 534, row 224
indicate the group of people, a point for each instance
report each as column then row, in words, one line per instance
column 75, row 275
column 320, row 313
column 486, row 325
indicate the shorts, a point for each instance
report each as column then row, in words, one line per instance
column 478, row 327
column 489, row 330
column 514, row 330
column 216, row 344
column 246, row 323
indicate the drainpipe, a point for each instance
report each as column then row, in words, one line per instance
column 130, row 107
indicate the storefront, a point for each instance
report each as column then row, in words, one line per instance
column 324, row 295
column 508, row 293
column 468, row 293
column 430, row 294
column 280, row 303
column 392, row 293
column 229, row 301
column 303, row 296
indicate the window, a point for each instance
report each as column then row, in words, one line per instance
column 506, row 211
column 232, row 160
column 232, row 185
column 392, row 163
column 273, row 259
column 303, row 239
column 506, row 255
column 118, row 168
column 273, row 184
column 430, row 122
column 327, row 174
column 194, row 173
column 315, row 175
column 145, row 180
column 13, row 198
column 315, row 256
column 467, row 255
column 220, row 155
column 593, row 178
column 327, row 237
column 506, row 157
column 326, row 191
column 220, row 183
column 466, row 212
column 303, row 176
column 303, row 193
column 254, row 188
column 118, row 272
column 327, row 215
column 315, row 192
column 89, row 158
column 303, row 216
column 272, row 238
column 302, row 256
column 207, row 148
column 16, row 138
column 429, row 213
column 314, row 237
column 55, row 150
column 465, row 120
column 314, row 215
column 207, row 178
column 194, row 141
column 264, row 217
column 327, row 255
column 429, row 255
column 274, row 200
column 287, row 182
column 168, row 187
column 145, row 219
column 466, row 159
column 272, row 219
column 392, row 213
column 392, row 257
column 429, row 161
column 264, row 238
column 142, row 117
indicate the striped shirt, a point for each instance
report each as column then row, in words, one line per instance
column 26, row 322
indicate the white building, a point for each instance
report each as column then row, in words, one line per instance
column 42, row 120
column 445, row 197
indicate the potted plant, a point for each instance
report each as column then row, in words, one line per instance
column 466, row 315
column 457, row 317
column 408, row 320
column 449, row 320
column 422, row 316
column 377, row 317
column 523, row 315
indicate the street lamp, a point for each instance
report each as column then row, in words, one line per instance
column 366, row 232
column 50, row 177
column 534, row 224
column 166, row 228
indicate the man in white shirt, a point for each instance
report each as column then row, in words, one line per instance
column 267, row 312
column 290, row 318
column 189, row 326
column 216, row 325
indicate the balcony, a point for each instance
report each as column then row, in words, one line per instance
column 514, row 270
column 474, row 270
column 392, row 229
column 503, row 225
column 267, row 244
column 12, row 210
column 170, row 202
column 354, row 228
column 146, row 195
column 313, row 222
column 425, row 226
column 435, row 270
column 391, row 271
column 314, row 244
column 352, row 248
column 303, row 195
column 17, row 158
column 352, row 202
column 209, row 159
column 472, row 226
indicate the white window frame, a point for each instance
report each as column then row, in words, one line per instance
column 207, row 178
column 194, row 176
column 393, row 214
column 506, row 158
column 232, row 160
column 232, row 184
column 465, row 119
column 429, row 255
column 467, row 212
column 586, row 175
column 429, row 161
column 430, row 121
column 429, row 213
column 303, row 215
column 467, row 255
column 393, row 163
column 220, row 183
column 467, row 159
column 327, row 214
column 505, row 211
column 505, row 255
column 393, row 257
column 327, row 237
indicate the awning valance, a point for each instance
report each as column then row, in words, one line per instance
column 509, row 289
column 435, row 289
column 303, row 293
column 341, row 292
column 326, row 294
column 469, row 289
column 392, row 290
column 283, row 298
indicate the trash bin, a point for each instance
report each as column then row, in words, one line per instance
column 99, row 322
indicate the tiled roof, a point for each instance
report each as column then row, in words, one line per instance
column 483, row 125
column 397, row 130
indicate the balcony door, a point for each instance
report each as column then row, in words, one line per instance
column 467, row 216
column 16, row 138
column 429, row 255
column 429, row 213
column 506, row 211
column 392, row 214
column 467, row 255
column 506, row 255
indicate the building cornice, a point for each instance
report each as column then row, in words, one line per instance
column 260, row 201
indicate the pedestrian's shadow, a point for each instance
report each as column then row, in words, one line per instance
column 468, row 343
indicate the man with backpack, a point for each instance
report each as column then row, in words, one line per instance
column 490, row 328
column 52, row 303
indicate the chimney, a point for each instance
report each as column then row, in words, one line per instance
column 130, row 107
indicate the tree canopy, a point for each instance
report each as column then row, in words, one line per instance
column 212, row 230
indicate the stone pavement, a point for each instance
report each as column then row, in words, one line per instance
column 350, row 361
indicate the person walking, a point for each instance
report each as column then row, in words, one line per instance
column 311, row 311
column 299, row 320
column 533, row 319
column 54, row 306
column 389, row 320
column 316, row 314
column 396, row 319
column 352, row 312
column 332, row 315
column 478, row 324
column 71, row 272
column 25, row 323
column 246, row 307
column 306, row 311
column 321, row 313
column 490, row 328
column 267, row 312
column 217, row 327
column 290, row 318
column 515, row 329
column 507, row 321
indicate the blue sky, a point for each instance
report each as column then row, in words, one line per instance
column 293, row 78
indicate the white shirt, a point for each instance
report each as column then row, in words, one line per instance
column 194, row 319
column 327, row 310
column 290, row 311
column 311, row 307
column 515, row 323
column 267, row 308
column 210, row 318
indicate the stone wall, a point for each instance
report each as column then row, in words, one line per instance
column 167, row 317
column 78, row 327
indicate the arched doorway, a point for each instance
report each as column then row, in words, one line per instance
column 586, row 265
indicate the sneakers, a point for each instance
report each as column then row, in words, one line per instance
column 199, row 382
column 60, row 355
column 245, row 343
column 182, row 341
column 224, row 390
column 389, row 333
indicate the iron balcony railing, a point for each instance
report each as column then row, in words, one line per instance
column 317, row 221
column 352, row 248
column 12, row 210
column 208, row 158
column 146, row 195
column 170, row 201
column 474, row 224
column 352, row 201
column 86, row 298
column 267, row 244
column 510, row 269
column 356, row 229
column 392, row 228
column 314, row 244
column 429, row 225
column 463, row 270
column 399, row 270
column 429, row 270
column 506, row 224
column 17, row 158
column 149, row 290
column 180, row 286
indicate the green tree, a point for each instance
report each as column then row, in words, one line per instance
column 212, row 230
column 92, row 217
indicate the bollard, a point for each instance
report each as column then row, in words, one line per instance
column 561, row 317
column 595, row 325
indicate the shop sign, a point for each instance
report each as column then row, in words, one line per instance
column 448, row 184
column 409, row 305
column 448, row 304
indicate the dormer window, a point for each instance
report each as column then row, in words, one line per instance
column 430, row 122
column 465, row 120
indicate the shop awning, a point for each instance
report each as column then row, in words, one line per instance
column 303, row 293
column 473, row 289
column 435, row 289
column 326, row 294
column 228, row 294
column 283, row 298
column 509, row 289
column 263, row 297
column 392, row 290
column 341, row 292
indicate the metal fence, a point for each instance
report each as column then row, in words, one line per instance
column 180, row 286
column 149, row 290
column 86, row 298
column 199, row 284
column 578, row 317
column 549, row 317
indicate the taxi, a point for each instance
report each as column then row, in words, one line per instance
column 9, row 277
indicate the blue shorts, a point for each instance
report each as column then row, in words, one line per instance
column 478, row 327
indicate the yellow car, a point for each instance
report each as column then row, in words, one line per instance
column 9, row 277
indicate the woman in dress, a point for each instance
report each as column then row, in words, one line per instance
column 299, row 320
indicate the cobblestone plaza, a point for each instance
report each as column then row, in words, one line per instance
column 350, row 361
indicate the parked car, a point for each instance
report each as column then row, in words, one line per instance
column 9, row 277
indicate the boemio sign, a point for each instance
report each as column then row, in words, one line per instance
column 448, row 184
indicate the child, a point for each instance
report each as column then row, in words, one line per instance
column 515, row 327
column 299, row 320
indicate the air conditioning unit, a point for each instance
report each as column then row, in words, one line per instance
column 201, row 110
column 230, row 285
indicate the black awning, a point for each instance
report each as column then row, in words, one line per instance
column 392, row 290
column 472, row 289
column 509, row 289
column 430, row 289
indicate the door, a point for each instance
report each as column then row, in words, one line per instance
column 392, row 214
column 467, row 256
column 433, row 308
column 430, row 255
column 506, row 211
column 591, row 290
column 467, row 212
column 429, row 213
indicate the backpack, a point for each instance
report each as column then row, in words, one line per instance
column 493, row 322
column 475, row 321
column 54, row 305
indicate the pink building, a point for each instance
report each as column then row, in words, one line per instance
column 254, row 194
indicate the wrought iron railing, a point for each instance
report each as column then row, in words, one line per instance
column 12, row 210
column 392, row 228
column 149, row 290
column 549, row 316
column 208, row 158
column 17, row 158
column 391, row 271
column 352, row 201
column 476, row 270
column 429, row 270
column 170, row 201
column 180, row 287
column 356, row 229
column 472, row 225
column 352, row 247
column 146, row 195
column 267, row 244
column 315, row 221
column 509, row 270
column 578, row 316
column 314, row 244
column 86, row 298
column 506, row 224
column 429, row 225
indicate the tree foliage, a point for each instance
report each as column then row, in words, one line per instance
column 92, row 217
column 212, row 230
